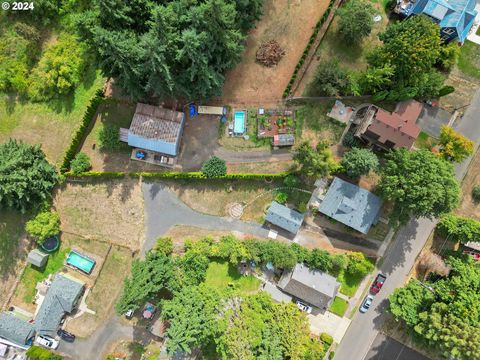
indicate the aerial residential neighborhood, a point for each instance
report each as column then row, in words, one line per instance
column 240, row 179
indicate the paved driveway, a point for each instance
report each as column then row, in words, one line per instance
column 400, row 258
column 385, row 348
column 432, row 118
column 163, row 210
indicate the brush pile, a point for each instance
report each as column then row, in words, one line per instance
column 270, row 53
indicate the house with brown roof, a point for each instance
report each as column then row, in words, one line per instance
column 388, row 130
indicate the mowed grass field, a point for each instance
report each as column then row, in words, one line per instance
column 222, row 274
column 50, row 124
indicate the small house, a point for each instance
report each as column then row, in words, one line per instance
column 314, row 287
column 351, row 205
column 16, row 331
column 37, row 258
column 284, row 218
column 61, row 299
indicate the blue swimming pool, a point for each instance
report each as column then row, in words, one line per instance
column 239, row 122
column 81, row 262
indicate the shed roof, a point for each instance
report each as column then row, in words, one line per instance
column 400, row 126
column 61, row 298
column 283, row 139
column 37, row 258
column 14, row 329
column 284, row 217
column 351, row 205
column 312, row 286
column 156, row 128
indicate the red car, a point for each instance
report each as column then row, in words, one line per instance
column 377, row 283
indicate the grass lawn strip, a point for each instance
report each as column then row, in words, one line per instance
column 469, row 59
column 425, row 141
column 339, row 306
column 221, row 274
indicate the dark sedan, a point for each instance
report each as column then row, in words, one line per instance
column 65, row 335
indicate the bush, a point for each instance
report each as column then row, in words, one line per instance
column 447, row 89
column 109, row 137
column 331, row 354
column 330, row 80
column 46, row 224
column 358, row 162
column 358, row 265
column 326, row 338
column 291, row 181
column 476, row 193
column 80, row 163
column 164, row 245
column 281, row 197
column 39, row 353
column 214, row 167
column 355, row 21
column 350, row 140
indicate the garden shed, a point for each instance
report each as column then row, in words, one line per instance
column 37, row 258
column 283, row 217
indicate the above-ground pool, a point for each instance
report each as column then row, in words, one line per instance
column 239, row 122
column 80, row 262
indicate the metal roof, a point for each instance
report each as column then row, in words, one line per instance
column 284, row 217
column 351, row 205
column 37, row 258
column 156, row 128
column 312, row 286
column 283, row 139
column 14, row 329
column 61, row 298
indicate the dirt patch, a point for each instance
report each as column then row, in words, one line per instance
column 465, row 88
column 468, row 207
column 261, row 167
column 110, row 211
column 291, row 24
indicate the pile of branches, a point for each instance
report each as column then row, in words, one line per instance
column 270, row 53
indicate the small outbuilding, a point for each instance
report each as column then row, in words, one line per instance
column 37, row 258
column 285, row 218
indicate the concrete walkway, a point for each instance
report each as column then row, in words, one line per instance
column 163, row 209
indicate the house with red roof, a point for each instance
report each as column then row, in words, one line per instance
column 388, row 130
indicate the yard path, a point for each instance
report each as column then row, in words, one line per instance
column 163, row 209
column 253, row 156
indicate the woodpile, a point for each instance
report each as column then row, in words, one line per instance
column 270, row 53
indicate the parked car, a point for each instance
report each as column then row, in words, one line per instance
column 65, row 335
column 129, row 314
column 47, row 341
column 377, row 284
column 304, row 307
column 366, row 303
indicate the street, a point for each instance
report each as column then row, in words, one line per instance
column 400, row 258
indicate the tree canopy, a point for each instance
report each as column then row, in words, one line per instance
column 419, row 183
column 356, row 20
column 315, row 162
column 459, row 228
column 358, row 162
column 26, row 177
column 44, row 225
column 168, row 49
column 454, row 146
column 330, row 80
column 214, row 167
column 448, row 317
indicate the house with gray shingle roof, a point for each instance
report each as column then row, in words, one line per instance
column 285, row 218
column 61, row 298
column 16, row 330
column 351, row 205
column 311, row 286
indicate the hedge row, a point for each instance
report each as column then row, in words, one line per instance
column 172, row 175
column 81, row 131
column 307, row 48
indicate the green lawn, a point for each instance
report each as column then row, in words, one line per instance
column 425, row 141
column 222, row 274
column 50, row 124
column 31, row 276
column 312, row 117
column 339, row 306
column 469, row 59
column 349, row 283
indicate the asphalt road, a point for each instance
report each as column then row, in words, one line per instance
column 400, row 258
column 385, row 348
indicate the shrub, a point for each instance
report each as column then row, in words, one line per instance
column 350, row 140
column 358, row 162
column 355, row 21
column 326, row 338
column 291, row 181
column 321, row 260
column 476, row 193
column 46, row 224
column 330, row 80
column 80, row 163
column 164, row 245
column 358, row 265
column 39, row 353
column 214, row 167
column 447, row 89
column 109, row 137
column 281, row 197
column 302, row 207
column 331, row 354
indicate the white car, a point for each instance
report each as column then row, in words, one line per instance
column 304, row 307
column 47, row 341
column 366, row 303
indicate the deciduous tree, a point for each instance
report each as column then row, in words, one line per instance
column 315, row 162
column 459, row 228
column 356, row 21
column 358, row 162
column 44, row 225
column 454, row 146
column 214, row 167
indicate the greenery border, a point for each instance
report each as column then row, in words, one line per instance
column 307, row 48
column 80, row 133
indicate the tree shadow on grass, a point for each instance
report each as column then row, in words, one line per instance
column 12, row 224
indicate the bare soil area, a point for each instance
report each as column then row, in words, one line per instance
column 465, row 88
column 290, row 23
column 111, row 211
column 260, row 167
